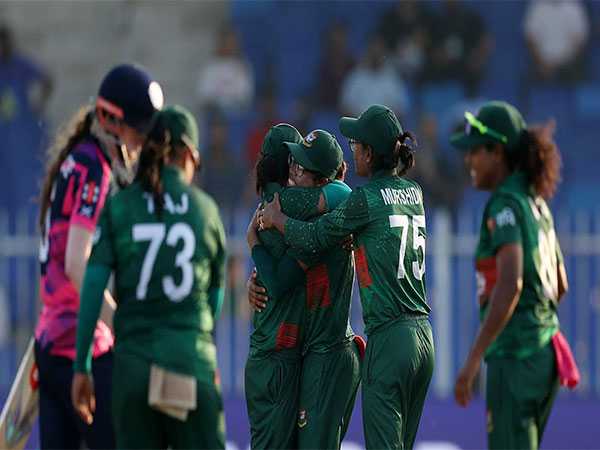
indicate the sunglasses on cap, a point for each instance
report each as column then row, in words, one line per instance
column 473, row 122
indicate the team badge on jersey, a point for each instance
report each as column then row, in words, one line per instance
column 309, row 139
column 302, row 418
column 506, row 217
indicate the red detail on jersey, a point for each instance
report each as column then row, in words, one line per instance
column 218, row 377
column 487, row 275
column 287, row 336
column 90, row 192
column 67, row 205
column 317, row 287
column 362, row 267
column 34, row 377
column 361, row 344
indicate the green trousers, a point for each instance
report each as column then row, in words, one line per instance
column 271, row 385
column 138, row 426
column 396, row 373
column 519, row 397
column 328, row 387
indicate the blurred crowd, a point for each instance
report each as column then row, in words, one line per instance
column 417, row 57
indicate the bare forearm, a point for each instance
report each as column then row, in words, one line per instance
column 502, row 305
column 109, row 307
column 279, row 222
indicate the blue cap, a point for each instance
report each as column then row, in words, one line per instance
column 129, row 93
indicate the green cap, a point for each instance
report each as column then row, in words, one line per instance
column 318, row 152
column 496, row 122
column 378, row 127
column 273, row 143
column 182, row 125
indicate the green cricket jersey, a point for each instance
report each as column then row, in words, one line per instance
column 315, row 313
column 164, row 268
column 329, row 289
column 387, row 220
column 514, row 215
column 279, row 326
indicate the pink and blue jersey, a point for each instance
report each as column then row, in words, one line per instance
column 78, row 195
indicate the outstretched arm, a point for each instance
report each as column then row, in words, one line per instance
column 328, row 231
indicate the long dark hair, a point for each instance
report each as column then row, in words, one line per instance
column 68, row 136
column 269, row 169
column 402, row 157
column 539, row 158
column 153, row 157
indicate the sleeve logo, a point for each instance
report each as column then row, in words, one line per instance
column 506, row 217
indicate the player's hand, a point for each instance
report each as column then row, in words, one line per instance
column 257, row 295
column 271, row 215
column 83, row 397
column 463, row 389
column 251, row 234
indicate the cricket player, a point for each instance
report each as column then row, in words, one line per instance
column 96, row 147
column 387, row 221
column 165, row 243
column 521, row 276
column 328, row 348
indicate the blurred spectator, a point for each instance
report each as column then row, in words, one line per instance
column 24, row 92
column 442, row 179
column 223, row 176
column 460, row 47
column 226, row 82
column 267, row 117
column 406, row 31
column 557, row 32
column 374, row 81
column 336, row 62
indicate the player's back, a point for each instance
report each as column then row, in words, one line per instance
column 164, row 265
column 390, row 250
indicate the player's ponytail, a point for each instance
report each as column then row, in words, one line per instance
column 153, row 158
column 538, row 157
column 405, row 149
column 401, row 158
column 67, row 137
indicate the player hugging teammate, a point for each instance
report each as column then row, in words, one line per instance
column 389, row 242
column 303, row 357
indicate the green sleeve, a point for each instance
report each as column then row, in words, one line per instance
column 102, row 249
column 332, row 228
column 300, row 202
column 216, row 290
column 278, row 276
column 504, row 222
column 216, row 297
column 92, row 294
column 335, row 193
